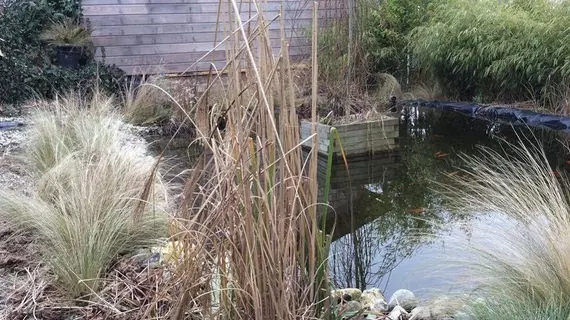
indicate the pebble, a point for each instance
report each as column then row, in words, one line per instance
column 397, row 313
column 374, row 300
column 404, row 298
column 353, row 293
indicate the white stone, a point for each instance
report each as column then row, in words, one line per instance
column 354, row 293
column 373, row 299
column 445, row 306
column 404, row 298
column 397, row 313
column 352, row 306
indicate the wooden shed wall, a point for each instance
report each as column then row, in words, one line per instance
column 168, row 36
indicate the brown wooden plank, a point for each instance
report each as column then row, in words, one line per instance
column 174, row 18
column 167, row 58
column 372, row 134
column 140, row 2
column 371, row 138
column 154, row 8
column 116, row 51
column 306, row 128
column 368, row 125
column 291, row 35
column 171, row 68
column 365, row 144
column 364, row 150
column 147, row 39
column 174, row 28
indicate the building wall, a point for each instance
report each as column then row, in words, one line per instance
column 169, row 36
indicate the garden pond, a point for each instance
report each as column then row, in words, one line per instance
column 383, row 200
column 375, row 235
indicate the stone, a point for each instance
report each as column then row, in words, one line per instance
column 373, row 299
column 419, row 313
column 397, row 313
column 445, row 307
column 404, row 298
column 352, row 307
column 353, row 293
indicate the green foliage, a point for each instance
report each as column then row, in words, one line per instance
column 27, row 67
column 496, row 50
column 333, row 55
column 385, row 33
column 380, row 39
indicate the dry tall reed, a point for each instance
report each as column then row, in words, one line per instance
column 248, row 228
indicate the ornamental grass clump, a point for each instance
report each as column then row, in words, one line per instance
column 98, row 194
column 521, row 266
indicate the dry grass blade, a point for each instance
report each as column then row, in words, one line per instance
column 522, row 261
column 67, row 32
column 87, row 209
column 251, row 247
column 144, row 103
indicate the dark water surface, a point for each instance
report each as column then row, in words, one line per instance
column 392, row 195
column 374, row 247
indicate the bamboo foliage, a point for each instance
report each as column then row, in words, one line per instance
column 493, row 49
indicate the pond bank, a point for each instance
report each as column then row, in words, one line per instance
column 506, row 114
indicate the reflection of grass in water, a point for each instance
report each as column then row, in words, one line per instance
column 385, row 242
column 389, row 238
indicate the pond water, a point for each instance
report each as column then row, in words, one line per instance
column 389, row 196
column 377, row 216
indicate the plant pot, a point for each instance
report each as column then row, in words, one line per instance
column 68, row 56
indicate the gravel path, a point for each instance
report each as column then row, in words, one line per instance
column 13, row 175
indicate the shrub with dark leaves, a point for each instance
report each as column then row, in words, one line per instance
column 27, row 65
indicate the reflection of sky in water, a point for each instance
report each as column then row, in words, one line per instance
column 385, row 214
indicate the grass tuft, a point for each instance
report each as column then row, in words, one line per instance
column 146, row 103
column 92, row 180
column 522, row 264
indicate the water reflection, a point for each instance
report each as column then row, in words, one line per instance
column 376, row 214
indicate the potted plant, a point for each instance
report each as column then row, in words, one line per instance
column 70, row 39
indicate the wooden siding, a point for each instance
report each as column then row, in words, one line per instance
column 170, row 36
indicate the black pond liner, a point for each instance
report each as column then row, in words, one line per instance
column 500, row 114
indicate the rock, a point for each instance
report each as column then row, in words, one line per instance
column 445, row 307
column 353, row 293
column 404, row 298
column 397, row 313
column 419, row 313
column 352, row 307
column 374, row 300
